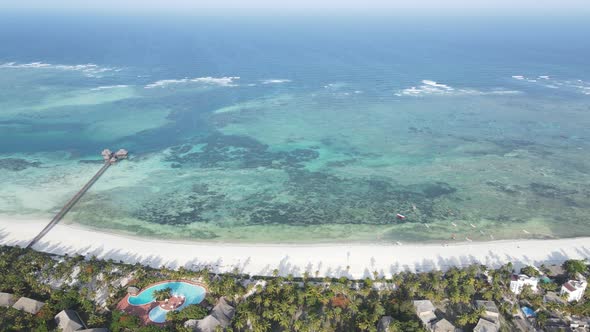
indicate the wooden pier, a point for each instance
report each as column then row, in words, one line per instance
column 110, row 158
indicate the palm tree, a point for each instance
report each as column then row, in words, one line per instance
column 162, row 294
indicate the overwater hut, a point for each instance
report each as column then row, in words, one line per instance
column 106, row 154
column 121, row 154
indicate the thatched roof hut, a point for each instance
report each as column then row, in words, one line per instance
column 384, row 322
column 6, row 300
column 68, row 321
column 485, row 326
column 443, row 325
column 223, row 312
column 220, row 316
column 28, row 305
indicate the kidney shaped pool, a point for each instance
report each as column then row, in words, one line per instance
column 192, row 293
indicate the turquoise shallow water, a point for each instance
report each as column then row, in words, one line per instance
column 321, row 131
column 193, row 295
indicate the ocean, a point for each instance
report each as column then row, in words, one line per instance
column 299, row 128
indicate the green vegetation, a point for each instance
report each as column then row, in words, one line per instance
column 265, row 304
column 162, row 294
column 530, row 271
column 574, row 266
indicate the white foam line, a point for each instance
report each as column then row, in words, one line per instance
column 275, row 81
column 107, row 87
column 219, row 81
column 90, row 69
column 430, row 87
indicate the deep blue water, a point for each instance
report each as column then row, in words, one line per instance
column 391, row 51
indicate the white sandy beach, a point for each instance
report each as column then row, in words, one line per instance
column 351, row 260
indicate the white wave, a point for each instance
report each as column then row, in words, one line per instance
column 430, row 87
column 546, row 81
column 89, row 69
column 275, row 81
column 106, row 87
column 219, row 81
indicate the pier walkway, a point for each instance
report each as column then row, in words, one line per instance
column 110, row 159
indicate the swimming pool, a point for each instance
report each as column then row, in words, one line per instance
column 528, row 312
column 193, row 294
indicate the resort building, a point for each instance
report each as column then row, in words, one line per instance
column 491, row 312
column 574, row 289
column 485, row 326
column 219, row 318
column 384, row 322
column 425, row 311
column 68, row 321
column 6, row 300
column 443, row 325
column 28, row 305
column 518, row 282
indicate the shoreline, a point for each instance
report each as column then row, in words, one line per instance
column 352, row 260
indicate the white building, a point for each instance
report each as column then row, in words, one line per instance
column 518, row 282
column 574, row 289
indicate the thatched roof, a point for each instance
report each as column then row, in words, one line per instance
column 443, row 325
column 423, row 306
column 207, row 324
column 28, row 305
column 487, row 305
column 68, row 321
column 132, row 290
column 384, row 323
column 6, row 300
column 223, row 312
column 221, row 316
column 485, row 326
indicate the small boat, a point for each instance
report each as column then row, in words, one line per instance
column 398, row 243
column 414, row 208
column 482, row 232
column 472, row 225
column 427, row 226
column 454, row 224
column 525, row 231
column 468, row 239
column 400, row 216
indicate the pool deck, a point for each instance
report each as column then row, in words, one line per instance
column 142, row 311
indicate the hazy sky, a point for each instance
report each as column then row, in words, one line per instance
column 503, row 6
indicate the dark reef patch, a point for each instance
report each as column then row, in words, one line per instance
column 17, row 164
column 550, row 191
column 238, row 152
column 307, row 197
column 510, row 189
column 180, row 208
